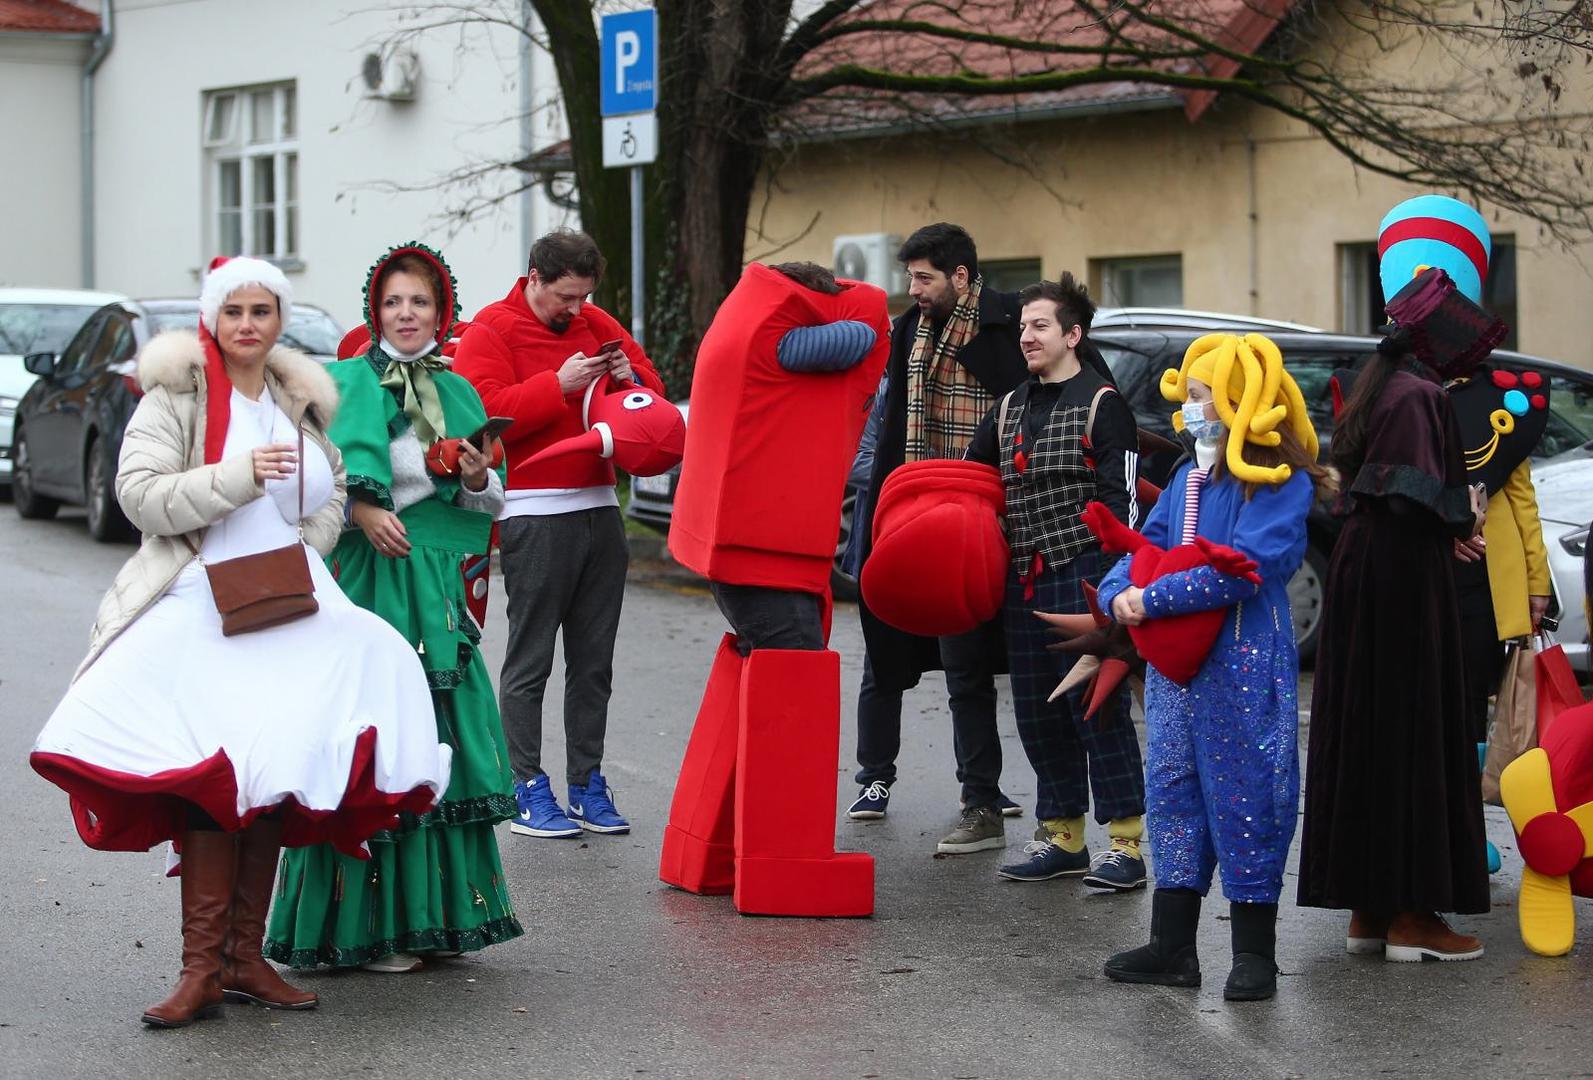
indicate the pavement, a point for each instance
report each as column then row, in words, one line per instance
column 959, row 974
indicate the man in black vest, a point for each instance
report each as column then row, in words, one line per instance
column 1062, row 440
column 952, row 355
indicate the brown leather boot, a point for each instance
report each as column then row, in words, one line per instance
column 1414, row 936
column 209, row 865
column 245, row 974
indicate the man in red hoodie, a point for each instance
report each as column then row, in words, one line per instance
column 532, row 356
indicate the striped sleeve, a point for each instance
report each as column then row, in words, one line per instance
column 832, row 346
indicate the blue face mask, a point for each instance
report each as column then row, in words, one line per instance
column 1195, row 422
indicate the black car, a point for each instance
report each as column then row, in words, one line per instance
column 1138, row 357
column 69, row 423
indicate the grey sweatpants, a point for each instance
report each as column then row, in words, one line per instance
column 561, row 571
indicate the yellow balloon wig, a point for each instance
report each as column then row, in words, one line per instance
column 1253, row 395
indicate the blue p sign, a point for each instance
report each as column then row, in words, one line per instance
column 629, row 62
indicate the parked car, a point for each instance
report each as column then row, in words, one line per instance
column 652, row 502
column 1565, row 506
column 1139, row 355
column 69, row 423
column 35, row 320
column 1184, row 319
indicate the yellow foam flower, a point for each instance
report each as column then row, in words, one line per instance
column 1253, row 394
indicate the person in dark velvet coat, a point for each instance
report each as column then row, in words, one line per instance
column 1393, row 813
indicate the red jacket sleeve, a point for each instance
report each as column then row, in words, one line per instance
column 608, row 328
column 485, row 359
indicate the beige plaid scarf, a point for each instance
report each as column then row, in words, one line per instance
column 945, row 403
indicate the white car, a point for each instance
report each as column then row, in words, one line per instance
column 34, row 321
column 1565, row 507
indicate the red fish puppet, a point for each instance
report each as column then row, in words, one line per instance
column 643, row 434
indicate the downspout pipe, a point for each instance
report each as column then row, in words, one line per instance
column 100, row 50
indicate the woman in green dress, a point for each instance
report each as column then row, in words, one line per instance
column 434, row 885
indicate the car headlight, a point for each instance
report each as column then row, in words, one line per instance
column 1575, row 543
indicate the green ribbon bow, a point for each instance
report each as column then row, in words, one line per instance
column 411, row 382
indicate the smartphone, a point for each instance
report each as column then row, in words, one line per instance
column 610, row 347
column 495, row 426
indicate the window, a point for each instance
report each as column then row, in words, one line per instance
column 1009, row 275
column 1361, row 288
column 252, row 157
column 31, row 328
column 1152, row 281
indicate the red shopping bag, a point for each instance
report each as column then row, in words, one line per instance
column 1557, row 685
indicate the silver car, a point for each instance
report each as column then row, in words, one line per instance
column 32, row 321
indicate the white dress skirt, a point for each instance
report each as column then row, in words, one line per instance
column 327, row 719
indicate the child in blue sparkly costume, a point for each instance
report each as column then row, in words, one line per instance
column 1222, row 770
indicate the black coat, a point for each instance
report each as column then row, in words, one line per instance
column 994, row 358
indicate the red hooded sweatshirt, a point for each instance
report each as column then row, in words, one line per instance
column 513, row 358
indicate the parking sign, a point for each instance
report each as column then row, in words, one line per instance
column 629, row 62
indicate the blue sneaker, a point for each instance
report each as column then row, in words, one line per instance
column 872, row 802
column 592, row 807
column 1044, row 860
column 539, row 811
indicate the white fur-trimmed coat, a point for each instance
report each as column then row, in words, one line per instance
column 166, row 489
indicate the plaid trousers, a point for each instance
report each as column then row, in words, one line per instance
column 1071, row 756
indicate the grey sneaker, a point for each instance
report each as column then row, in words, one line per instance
column 979, row 829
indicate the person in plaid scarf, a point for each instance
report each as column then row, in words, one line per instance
column 953, row 353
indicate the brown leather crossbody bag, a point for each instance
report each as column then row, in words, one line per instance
column 268, row 588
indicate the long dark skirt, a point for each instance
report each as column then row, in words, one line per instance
column 1393, row 808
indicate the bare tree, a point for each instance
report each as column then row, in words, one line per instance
column 744, row 81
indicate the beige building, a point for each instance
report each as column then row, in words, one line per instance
column 1238, row 211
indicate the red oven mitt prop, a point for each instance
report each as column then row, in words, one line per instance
column 644, row 434
column 1176, row 646
column 939, row 561
column 443, row 456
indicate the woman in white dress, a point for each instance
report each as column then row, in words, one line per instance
column 316, row 730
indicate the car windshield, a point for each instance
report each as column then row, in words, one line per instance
column 311, row 330
column 34, row 328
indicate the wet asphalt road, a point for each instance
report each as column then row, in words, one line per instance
column 959, row 974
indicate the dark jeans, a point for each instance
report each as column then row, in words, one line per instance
column 770, row 618
column 561, row 572
column 971, row 693
column 1481, row 649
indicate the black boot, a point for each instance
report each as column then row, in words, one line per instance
column 1255, row 937
column 1169, row 959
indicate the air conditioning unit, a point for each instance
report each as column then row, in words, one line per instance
column 391, row 75
column 870, row 257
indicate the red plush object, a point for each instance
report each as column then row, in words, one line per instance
column 354, row 343
column 1175, row 646
column 939, row 562
column 643, row 434
column 442, row 457
column 768, row 450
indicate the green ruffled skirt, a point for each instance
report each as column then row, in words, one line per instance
column 435, row 882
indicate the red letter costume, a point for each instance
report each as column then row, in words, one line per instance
column 759, row 504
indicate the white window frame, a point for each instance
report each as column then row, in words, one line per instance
column 235, row 146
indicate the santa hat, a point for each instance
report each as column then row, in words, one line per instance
column 939, row 561
column 229, row 274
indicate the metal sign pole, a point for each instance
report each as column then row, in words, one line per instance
column 638, row 260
